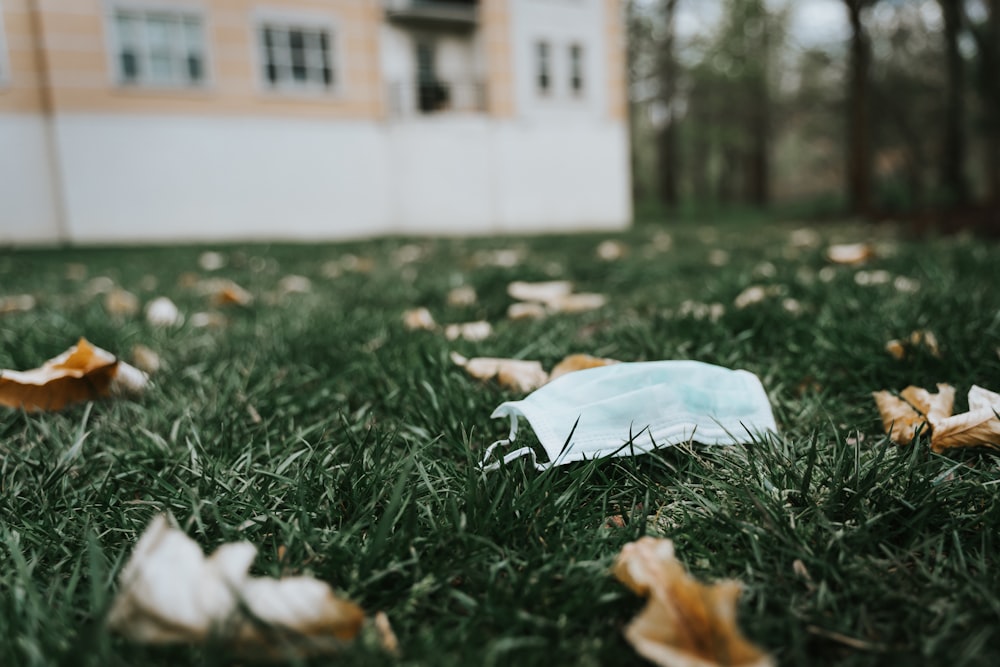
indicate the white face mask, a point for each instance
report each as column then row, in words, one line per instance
column 633, row 408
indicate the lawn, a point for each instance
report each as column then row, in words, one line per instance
column 343, row 445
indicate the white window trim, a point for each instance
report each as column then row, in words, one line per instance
column 265, row 16
column 112, row 43
column 4, row 58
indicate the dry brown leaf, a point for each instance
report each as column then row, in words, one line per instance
column 577, row 303
column 578, row 362
column 979, row 427
column 516, row 374
column 896, row 349
column 850, row 253
column 162, row 312
column 120, row 303
column 18, row 303
column 685, row 623
column 915, row 408
column 926, row 339
column 225, row 292
column 82, row 373
column 464, row 295
column 526, row 310
column 934, row 406
column 470, row 331
column 145, row 359
column 171, row 593
column 543, row 292
column 419, row 319
column 386, row 637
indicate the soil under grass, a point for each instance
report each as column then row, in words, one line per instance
column 315, row 426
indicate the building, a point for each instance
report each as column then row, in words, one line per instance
column 187, row 120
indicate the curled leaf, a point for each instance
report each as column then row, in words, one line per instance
column 542, row 292
column 685, row 623
column 171, row 593
column 578, row 362
column 516, row 374
column 979, row 427
column 84, row 372
column 419, row 318
column 850, row 253
column 526, row 310
column 471, row 331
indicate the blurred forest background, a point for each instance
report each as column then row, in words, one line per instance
column 880, row 109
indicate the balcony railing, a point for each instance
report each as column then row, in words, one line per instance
column 408, row 98
column 434, row 13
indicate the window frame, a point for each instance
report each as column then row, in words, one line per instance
column 179, row 13
column 303, row 21
column 577, row 69
column 544, row 82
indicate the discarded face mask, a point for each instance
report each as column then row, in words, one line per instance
column 634, row 408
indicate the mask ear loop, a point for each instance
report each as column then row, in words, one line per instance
column 516, row 454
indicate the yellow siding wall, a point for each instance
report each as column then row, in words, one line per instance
column 77, row 39
column 614, row 25
column 494, row 16
column 20, row 87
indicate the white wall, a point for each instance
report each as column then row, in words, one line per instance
column 175, row 179
column 28, row 205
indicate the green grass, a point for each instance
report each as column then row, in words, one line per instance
column 361, row 469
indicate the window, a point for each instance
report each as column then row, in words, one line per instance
column 576, row 69
column 159, row 47
column 544, row 65
column 297, row 57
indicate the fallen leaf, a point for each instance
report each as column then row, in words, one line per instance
column 750, row 296
column 926, row 339
column 171, row 593
column 204, row 320
column 541, row 292
column 578, row 362
column 526, row 310
column 162, row 312
column 610, row 251
column 505, row 258
column 915, row 408
column 119, row 302
column 18, row 303
column 896, row 349
column 293, row 284
column 869, row 278
column 464, row 295
column 386, row 637
column 145, row 359
column 718, row 257
column 211, row 261
column 419, row 318
column 82, row 373
column 224, row 292
column 850, row 253
column 979, row 427
column 516, row 374
column 576, row 303
column 685, row 623
column 470, row 331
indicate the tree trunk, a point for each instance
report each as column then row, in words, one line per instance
column 953, row 147
column 667, row 140
column 858, row 139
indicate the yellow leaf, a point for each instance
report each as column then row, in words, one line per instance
column 471, row 331
column 913, row 409
column 516, row 374
column 685, row 623
column 82, row 373
column 578, row 362
column 169, row 592
column 419, row 318
column 850, row 253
